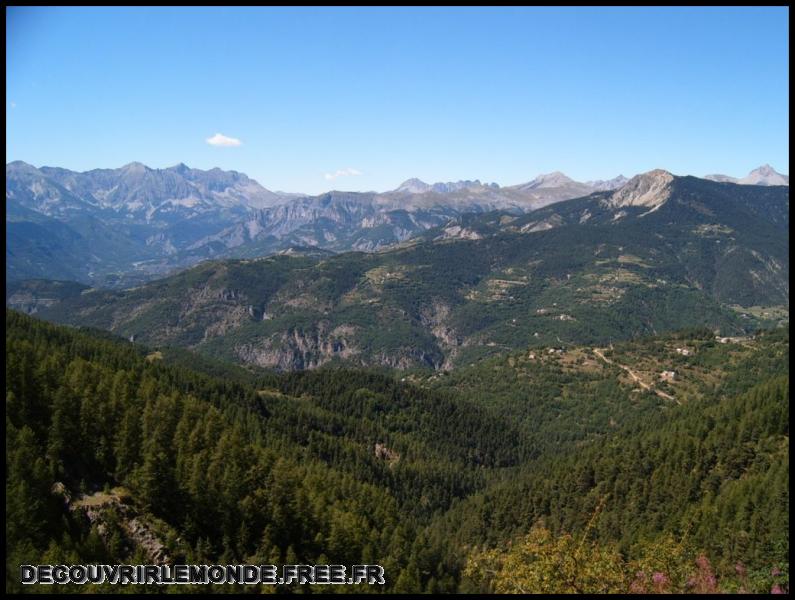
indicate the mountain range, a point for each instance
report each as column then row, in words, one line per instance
column 659, row 253
column 121, row 227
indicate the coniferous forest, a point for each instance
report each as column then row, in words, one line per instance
column 504, row 476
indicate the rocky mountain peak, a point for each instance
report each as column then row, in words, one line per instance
column 550, row 180
column 649, row 189
column 765, row 175
column 20, row 166
column 135, row 167
column 413, row 186
column 180, row 168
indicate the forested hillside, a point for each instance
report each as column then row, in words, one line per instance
column 117, row 452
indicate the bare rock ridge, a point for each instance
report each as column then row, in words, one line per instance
column 96, row 509
column 650, row 189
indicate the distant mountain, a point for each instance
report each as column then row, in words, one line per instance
column 135, row 191
column 553, row 187
column 660, row 253
column 417, row 186
column 721, row 178
column 117, row 225
column 610, row 184
column 414, row 186
column 764, row 175
column 290, row 194
column 548, row 180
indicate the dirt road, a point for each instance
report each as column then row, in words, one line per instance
column 635, row 377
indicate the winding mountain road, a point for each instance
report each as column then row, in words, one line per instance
column 635, row 377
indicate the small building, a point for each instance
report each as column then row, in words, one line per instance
column 684, row 351
column 668, row 375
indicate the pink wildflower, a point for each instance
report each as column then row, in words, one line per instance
column 638, row 586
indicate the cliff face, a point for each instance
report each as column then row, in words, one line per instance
column 106, row 511
column 295, row 350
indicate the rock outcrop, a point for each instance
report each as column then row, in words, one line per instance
column 650, row 190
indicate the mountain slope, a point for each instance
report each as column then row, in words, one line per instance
column 661, row 253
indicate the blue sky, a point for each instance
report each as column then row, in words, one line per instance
column 363, row 98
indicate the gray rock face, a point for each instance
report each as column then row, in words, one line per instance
column 297, row 350
column 650, row 189
column 96, row 507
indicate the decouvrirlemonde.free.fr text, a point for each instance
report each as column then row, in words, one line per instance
column 203, row 574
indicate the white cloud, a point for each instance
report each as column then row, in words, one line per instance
column 13, row 105
column 342, row 173
column 221, row 140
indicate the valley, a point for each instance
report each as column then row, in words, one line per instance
column 424, row 474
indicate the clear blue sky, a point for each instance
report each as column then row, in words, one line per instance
column 363, row 98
